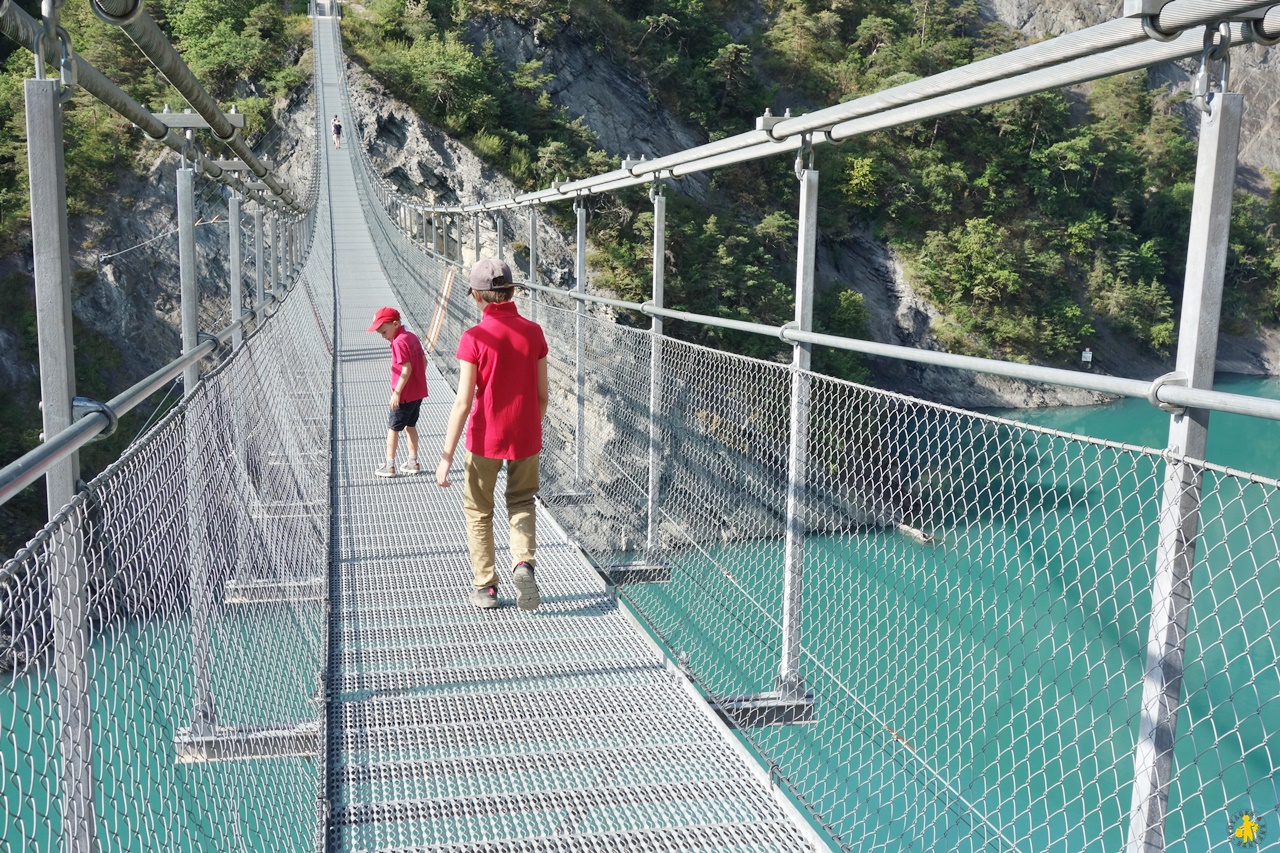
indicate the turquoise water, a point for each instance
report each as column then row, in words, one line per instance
column 981, row 691
column 1250, row 444
column 140, row 695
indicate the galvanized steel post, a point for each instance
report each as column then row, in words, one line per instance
column 475, row 238
column 187, row 266
column 579, row 324
column 497, row 229
column 260, row 250
column 1180, row 507
column 655, row 365
column 790, row 682
column 50, row 249
column 431, row 232
column 277, row 278
column 288, row 250
column 236, row 267
column 533, row 261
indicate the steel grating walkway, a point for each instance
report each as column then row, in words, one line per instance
column 457, row 729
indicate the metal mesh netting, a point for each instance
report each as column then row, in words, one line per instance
column 977, row 592
column 202, row 549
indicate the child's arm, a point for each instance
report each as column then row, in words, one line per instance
column 405, row 373
column 457, row 419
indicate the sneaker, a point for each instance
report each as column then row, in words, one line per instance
column 410, row 466
column 527, row 597
column 485, row 599
column 386, row 469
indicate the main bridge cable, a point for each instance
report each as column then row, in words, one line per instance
column 1091, row 53
column 131, row 17
column 26, row 30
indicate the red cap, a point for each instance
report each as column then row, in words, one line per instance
column 381, row 316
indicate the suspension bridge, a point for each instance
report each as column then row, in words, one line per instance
column 780, row 611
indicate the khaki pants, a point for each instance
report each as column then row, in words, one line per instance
column 480, row 478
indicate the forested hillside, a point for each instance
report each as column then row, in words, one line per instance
column 1031, row 225
column 246, row 53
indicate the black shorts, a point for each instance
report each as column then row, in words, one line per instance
column 404, row 415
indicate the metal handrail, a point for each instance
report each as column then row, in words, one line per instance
column 1158, row 392
column 33, row 465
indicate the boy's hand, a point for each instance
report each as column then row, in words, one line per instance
column 442, row 471
column 394, row 402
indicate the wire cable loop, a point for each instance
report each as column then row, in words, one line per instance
column 1151, row 26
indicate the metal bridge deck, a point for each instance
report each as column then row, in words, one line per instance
column 457, row 729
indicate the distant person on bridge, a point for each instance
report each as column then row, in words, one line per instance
column 336, row 127
column 408, row 389
column 503, row 372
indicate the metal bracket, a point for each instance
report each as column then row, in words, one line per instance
column 656, row 189
column 1153, row 393
column 83, row 406
column 630, row 162
column 793, row 326
column 767, row 121
column 205, row 337
column 768, row 708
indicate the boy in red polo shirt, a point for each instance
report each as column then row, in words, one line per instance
column 408, row 388
column 503, row 371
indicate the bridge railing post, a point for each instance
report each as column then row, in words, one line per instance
column 197, row 565
column 68, row 573
column 1180, row 506
column 790, row 681
column 236, row 268
column 475, row 237
column 655, row 369
column 533, row 261
column 277, row 282
column 259, row 268
column 580, row 269
column 497, row 229
column 431, row 232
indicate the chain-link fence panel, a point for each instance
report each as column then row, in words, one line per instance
column 202, row 554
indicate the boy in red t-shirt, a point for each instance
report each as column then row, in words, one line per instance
column 503, row 371
column 408, row 388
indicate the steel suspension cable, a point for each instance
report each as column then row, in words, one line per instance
column 131, row 17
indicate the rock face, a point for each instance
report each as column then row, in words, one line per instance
column 422, row 162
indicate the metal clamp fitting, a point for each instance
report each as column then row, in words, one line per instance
column 648, row 308
column 806, row 147
column 1153, row 393
column 793, row 326
column 1253, row 32
column 1149, row 26
column 82, row 406
column 205, row 337
column 118, row 20
column 656, row 189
